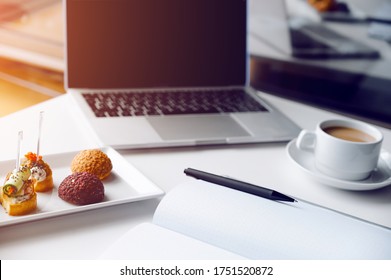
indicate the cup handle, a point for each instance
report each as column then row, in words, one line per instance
column 306, row 140
column 386, row 156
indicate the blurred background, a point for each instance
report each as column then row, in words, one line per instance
column 32, row 55
column 356, row 86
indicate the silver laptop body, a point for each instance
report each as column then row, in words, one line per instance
column 162, row 52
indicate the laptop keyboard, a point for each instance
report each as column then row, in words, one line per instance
column 170, row 102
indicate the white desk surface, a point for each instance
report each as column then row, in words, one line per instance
column 86, row 235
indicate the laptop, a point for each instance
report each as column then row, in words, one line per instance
column 298, row 37
column 146, row 73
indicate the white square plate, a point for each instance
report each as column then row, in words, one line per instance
column 125, row 184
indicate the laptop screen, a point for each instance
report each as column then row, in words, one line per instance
column 149, row 43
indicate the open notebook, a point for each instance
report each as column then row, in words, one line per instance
column 199, row 220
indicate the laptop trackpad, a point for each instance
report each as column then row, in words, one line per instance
column 197, row 127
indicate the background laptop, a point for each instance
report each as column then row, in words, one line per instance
column 129, row 63
column 298, row 37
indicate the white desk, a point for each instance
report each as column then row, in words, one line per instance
column 86, row 235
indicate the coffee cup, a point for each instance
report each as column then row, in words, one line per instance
column 343, row 149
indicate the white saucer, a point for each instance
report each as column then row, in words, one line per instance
column 379, row 178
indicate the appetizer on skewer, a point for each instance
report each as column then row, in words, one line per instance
column 40, row 172
column 17, row 195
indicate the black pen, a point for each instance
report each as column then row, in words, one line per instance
column 238, row 185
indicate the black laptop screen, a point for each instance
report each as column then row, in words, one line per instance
column 155, row 43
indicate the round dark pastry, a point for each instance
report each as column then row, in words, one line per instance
column 81, row 188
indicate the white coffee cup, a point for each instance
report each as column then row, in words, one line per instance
column 343, row 149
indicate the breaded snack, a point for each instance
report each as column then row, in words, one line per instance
column 92, row 161
column 81, row 188
column 40, row 171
